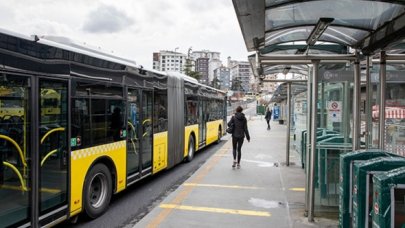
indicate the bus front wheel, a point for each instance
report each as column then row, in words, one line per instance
column 97, row 191
column 191, row 149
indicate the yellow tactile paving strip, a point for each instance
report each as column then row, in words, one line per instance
column 183, row 194
column 221, row 186
column 216, row 210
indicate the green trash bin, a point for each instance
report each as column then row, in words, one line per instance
column 319, row 134
column 362, row 186
column 346, row 160
column 388, row 199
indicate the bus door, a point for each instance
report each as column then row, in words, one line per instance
column 53, row 148
column 146, row 133
column 202, row 123
column 134, row 126
column 15, row 150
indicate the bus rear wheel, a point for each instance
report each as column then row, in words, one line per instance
column 191, row 149
column 97, row 191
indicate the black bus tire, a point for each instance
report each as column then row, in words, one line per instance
column 191, row 149
column 97, row 191
column 219, row 135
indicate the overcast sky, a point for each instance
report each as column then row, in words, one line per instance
column 132, row 29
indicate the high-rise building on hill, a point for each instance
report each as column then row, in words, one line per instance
column 241, row 74
column 222, row 74
column 169, row 61
column 205, row 63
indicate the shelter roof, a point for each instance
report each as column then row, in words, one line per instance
column 281, row 92
column 362, row 24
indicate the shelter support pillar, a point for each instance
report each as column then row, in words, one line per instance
column 356, row 105
column 368, row 103
column 287, row 161
column 313, row 141
column 346, row 106
column 322, row 100
column 383, row 82
column 308, row 142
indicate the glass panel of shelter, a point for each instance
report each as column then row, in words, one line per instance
column 334, row 131
column 298, row 115
column 394, row 133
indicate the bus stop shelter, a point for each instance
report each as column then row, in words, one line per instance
column 338, row 46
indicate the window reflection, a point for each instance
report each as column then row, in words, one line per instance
column 14, row 149
column 53, row 144
column 98, row 115
column 160, row 111
column 191, row 111
column 133, row 142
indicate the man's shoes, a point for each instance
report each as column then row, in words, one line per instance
column 234, row 164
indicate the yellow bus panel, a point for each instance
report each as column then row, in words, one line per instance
column 212, row 131
column 187, row 133
column 81, row 160
column 160, row 151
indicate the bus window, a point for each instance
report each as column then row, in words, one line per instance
column 50, row 102
column 116, row 120
column 160, row 112
column 81, row 134
column 99, row 128
column 107, row 121
column 191, row 111
column 213, row 107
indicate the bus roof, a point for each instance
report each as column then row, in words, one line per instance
column 18, row 35
column 70, row 45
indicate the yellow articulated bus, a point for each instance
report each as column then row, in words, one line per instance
column 78, row 126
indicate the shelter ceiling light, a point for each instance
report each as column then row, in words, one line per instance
column 319, row 28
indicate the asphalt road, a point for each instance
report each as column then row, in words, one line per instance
column 249, row 109
column 129, row 206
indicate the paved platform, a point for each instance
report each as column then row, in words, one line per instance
column 262, row 193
